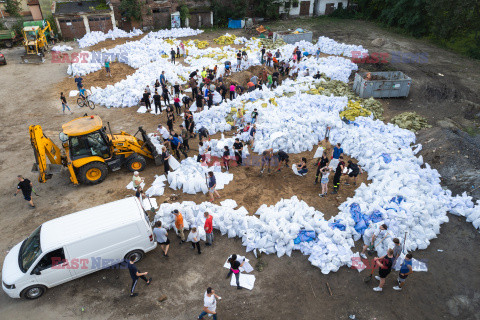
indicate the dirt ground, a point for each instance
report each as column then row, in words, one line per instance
column 289, row 287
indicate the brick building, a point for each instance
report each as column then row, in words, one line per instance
column 156, row 14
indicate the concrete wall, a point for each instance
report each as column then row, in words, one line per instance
column 320, row 8
column 296, row 11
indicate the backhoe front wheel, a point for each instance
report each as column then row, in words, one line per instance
column 93, row 173
column 136, row 163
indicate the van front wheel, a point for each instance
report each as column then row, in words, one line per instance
column 137, row 254
column 33, row 292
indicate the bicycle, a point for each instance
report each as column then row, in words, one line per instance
column 82, row 102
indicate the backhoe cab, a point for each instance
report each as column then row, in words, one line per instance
column 89, row 151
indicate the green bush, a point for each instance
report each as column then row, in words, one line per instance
column 12, row 7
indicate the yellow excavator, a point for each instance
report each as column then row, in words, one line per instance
column 35, row 40
column 89, row 151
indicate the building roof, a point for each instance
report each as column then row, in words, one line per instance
column 80, row 6
column 89, row 222
column 83, row 125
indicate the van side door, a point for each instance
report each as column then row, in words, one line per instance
column 52, row 268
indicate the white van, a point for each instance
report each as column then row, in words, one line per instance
column 75, row 245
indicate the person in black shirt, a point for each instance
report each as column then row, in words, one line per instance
column 283, row 158
column 135, row 274
column 139, row 193
column 203, row 133
column 275, row 77
column 223, row 91
column 26, row 187
column 172, row 54
column 165, row 155
column 355, row 170
column 186, row 101
column 193, row 74
column 146, row 99
column 157, row 102
column 263, row 54
column 210, row 99
column 239, row 60
column 199, row 100
column 165, row 96
column 317, row 75
column 238, row 147
column 226, row 157
column 384, row 264
column 176, row 89
column 235, row 269
column 338, row 174
column 321, row 163
column 64, row 103
column 240, row 90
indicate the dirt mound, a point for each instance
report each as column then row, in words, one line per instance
column 98, row 78
column 243, row 77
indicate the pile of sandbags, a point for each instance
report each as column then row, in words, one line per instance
column 330, row 46
column 94, row 37
column 61, row 48
column 410, row 121
column 191, row 177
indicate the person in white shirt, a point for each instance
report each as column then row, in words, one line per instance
column 371, row 236
column 194, row 236
column 163, row 132
column 137, row 180
column 209, row 304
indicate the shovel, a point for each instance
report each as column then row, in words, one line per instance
column 152, row 209
column 369, row 277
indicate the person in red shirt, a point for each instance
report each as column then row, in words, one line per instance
column 208, row 228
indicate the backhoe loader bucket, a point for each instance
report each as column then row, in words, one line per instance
column 151, row 147
column 33, row 59
column 51, row 169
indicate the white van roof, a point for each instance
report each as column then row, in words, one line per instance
column 89, row 222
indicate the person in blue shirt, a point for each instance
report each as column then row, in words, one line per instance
column 405, row 271
column 83, row 93
column 212, row 184
column 174, row 143
column 163, row 81
column 337, row 151
column 78, row 82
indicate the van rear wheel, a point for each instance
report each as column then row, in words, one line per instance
column 138, row 254
column 33, row 292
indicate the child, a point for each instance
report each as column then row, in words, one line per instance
column 226, row 157
column 195, row 238
column 64, row 103
column 176, row 103
column 325, row 173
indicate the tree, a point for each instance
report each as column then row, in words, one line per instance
column 131, row 9
column 267, row 8
column 12, row 7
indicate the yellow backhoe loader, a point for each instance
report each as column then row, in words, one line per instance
column 89, row 151
column 35, row 40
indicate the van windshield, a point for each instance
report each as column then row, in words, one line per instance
column 30, row 250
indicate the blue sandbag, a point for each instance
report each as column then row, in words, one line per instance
column 355, row 212
column 337, row 225
column 304, row 236
column 361, row 226
column 376, row 216
column 386, row 158
column 306, row 54
column 397, row 199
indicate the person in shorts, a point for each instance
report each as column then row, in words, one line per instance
column 371, row 235
column 161, row 235
column 267, row 156
column 26, row 187
column 107, row 68
column 405, row 270
column 354, row 170
column 212, row 184
column 325, row 171
column 283, row 159
column 385, row 267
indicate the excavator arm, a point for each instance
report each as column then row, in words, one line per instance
column 43, row 148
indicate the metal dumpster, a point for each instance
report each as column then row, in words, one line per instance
column 390, row 84
column 292, row 38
